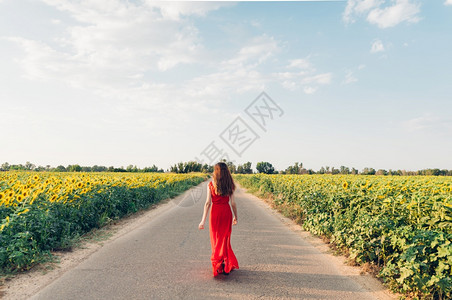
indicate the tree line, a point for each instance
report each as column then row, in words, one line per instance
column 76, row 168
column 245, row 168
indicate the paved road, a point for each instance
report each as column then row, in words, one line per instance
column 169, row 258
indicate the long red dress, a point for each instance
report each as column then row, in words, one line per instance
column 220, row 226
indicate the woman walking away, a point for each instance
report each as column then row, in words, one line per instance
column 220, row 192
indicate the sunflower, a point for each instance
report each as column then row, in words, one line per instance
column 345, row 185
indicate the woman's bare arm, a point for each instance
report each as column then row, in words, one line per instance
column 234, row 209
column 206, row 208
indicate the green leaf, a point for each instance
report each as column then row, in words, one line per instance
column 444, row 251
column 405, row 273
column 441, row 267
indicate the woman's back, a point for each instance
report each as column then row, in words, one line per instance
column 217, row 199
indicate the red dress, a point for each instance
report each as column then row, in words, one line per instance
column 220, row 226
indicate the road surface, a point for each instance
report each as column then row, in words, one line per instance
column 169, row 258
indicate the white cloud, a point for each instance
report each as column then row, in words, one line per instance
column 237, row 74
column 255, row 52
column 377, row 46
column 125, row 36
column 448, row 2
column 299, row 63
column 290, row 75
column 118, row 50
column 290, row 85
column 176, row 9
column 324, row 78
column 361, row 66
column 382, row 13
column 311, row 83
column 390, row 16
column 240, row 73
column 86, row 10
column 349, row 78
column 115, row 40
column 301, row 74
column 428, row 122
column 358, row 7
column 309, row 90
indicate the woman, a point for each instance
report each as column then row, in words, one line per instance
column 220, row 192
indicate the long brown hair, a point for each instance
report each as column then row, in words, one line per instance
column 223, row 183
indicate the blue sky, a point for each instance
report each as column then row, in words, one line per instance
column 360, row 83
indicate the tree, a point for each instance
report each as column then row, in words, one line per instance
column 191, row 166
column 265, row 167
column 5, row 166
column 60, row 168
column 344, row 170
column 297, row 168
column 245, row 168
column 154, row 168
column 368, row 171
column 232, row 168
column 29, row 166
column 207, row 168
column 74, row 168
column 132, row 168
column 436, row 172
column 97, row 168
column 381, row 172
column 334, row 171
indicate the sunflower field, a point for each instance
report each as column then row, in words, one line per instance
column 41, row 212
column 400, row 224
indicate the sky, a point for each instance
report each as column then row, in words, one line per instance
column 356, row 83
